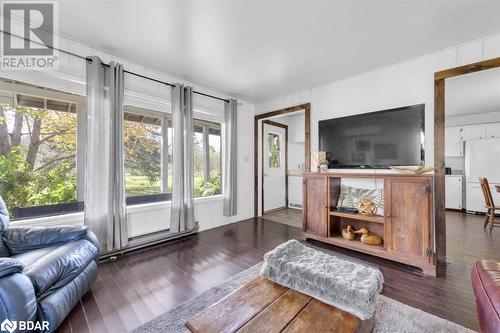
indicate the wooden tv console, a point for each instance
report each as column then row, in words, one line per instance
column 406, row 226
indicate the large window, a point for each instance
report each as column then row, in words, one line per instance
column 38, row 149
column 42, row 152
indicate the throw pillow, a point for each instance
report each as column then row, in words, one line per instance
column 351, row 197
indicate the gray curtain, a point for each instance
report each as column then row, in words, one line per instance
column 105, row 208
column 229, row 181
column 182, row 212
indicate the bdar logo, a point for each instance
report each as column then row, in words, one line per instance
column 8, row 326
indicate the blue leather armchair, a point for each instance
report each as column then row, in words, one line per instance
column 44, row 271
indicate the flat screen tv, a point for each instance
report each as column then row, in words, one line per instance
column 375, row 140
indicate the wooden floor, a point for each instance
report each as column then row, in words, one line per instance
column 139, row 286
column 287, row 216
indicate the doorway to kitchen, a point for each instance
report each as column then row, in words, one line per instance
column 467, row 159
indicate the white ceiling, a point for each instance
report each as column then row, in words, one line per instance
column 260, row 49
column 472, row 94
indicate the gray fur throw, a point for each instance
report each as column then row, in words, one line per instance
column 347, row 285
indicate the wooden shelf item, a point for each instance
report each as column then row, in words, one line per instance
column 360, row 217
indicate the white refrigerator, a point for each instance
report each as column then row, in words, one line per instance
column 482, row 159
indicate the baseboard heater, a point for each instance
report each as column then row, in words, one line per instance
column 141, row 242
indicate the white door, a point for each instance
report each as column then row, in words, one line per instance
column 274, row 170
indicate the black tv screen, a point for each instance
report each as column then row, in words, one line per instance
column 375, row 140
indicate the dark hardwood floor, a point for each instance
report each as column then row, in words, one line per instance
column 141, row 285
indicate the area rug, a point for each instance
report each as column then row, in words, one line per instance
column 390, row 316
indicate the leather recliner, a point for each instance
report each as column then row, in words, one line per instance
column 486, row 286
column 44, row 271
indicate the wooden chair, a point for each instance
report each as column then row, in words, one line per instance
column 489, row 204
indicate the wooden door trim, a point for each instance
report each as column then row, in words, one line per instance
column 439, row 153
column 307, row 143
column 274, row 123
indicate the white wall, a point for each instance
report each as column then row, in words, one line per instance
column 296, row 142
column 406, row 83
column 144, row 93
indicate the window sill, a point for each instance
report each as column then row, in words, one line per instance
column 167, row 204
column 217, row 197
column 77, row 218
column 53, row 220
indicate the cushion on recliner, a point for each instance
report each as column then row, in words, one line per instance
column 10, row 266
column 56, row 306
column 4, row 224
column 53, row 267
column 486, row 286
column 23, row 239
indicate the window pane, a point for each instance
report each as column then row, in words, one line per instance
column 37, row 153
column 142, row 155
column 170, row 156
column 199, row 162
column 215, row 163
column 207, row 159
column 274, row 150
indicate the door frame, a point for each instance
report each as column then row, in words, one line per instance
column 307, row 143
column 439, row 146
column 274, row 123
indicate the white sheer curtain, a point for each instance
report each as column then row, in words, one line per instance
column 105, row 208
column 229, row 181
column 182, row 212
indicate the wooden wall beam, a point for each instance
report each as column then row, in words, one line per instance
column 466, row 69
column 439, row 177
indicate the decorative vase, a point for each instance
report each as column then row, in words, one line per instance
column 323, row 167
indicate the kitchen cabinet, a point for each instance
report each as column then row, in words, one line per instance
column 453, row 194
column 454, row 145
column 493, row 131
column 474, row 133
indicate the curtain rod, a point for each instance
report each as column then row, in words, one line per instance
column 126, row 71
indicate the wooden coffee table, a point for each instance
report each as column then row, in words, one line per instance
column 263, row 306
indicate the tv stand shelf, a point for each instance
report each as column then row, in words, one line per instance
column 406, row 227
column 359, row 217
column 353, row 245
